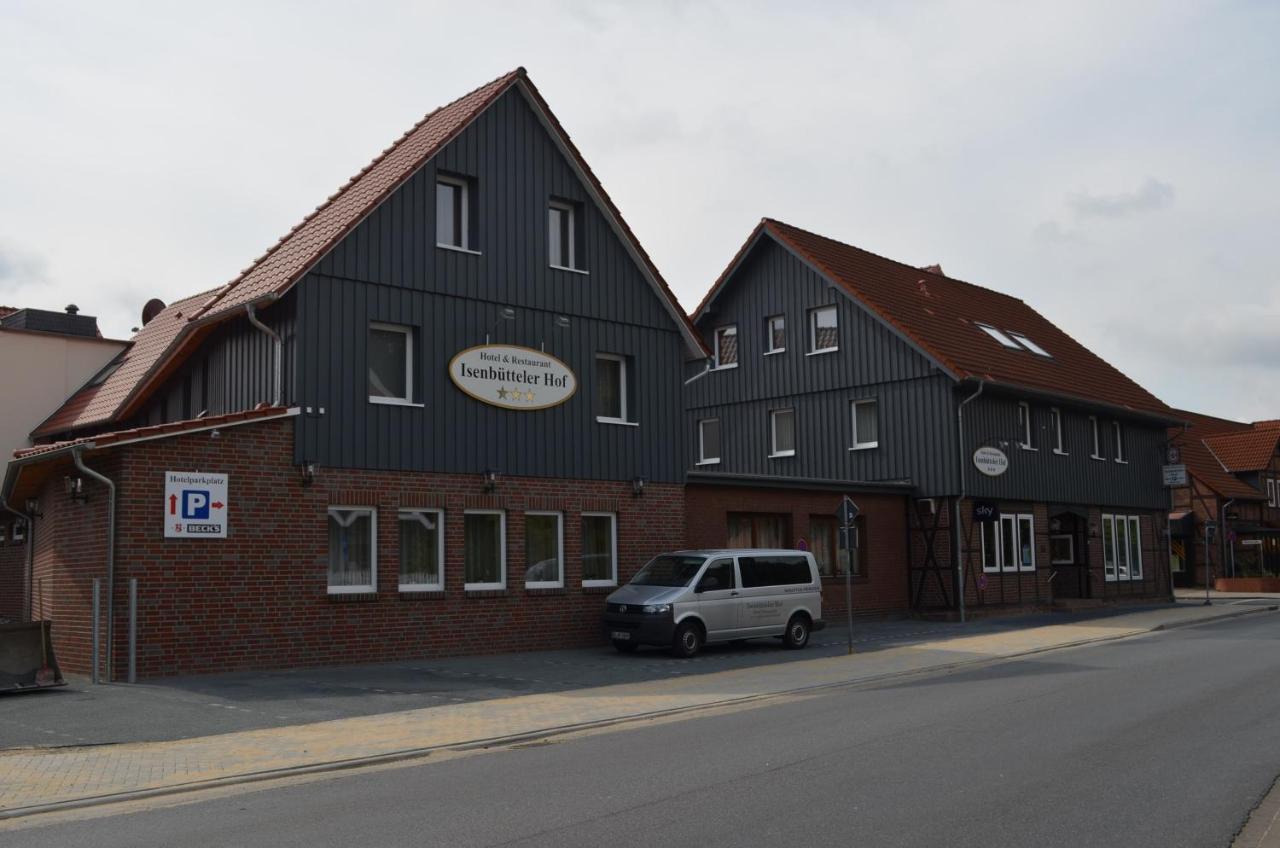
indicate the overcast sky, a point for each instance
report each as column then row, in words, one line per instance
column 1116, row 165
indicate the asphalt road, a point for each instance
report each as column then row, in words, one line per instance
column 1164, row 740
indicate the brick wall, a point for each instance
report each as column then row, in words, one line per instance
column 13, row 564
column 259, row 599
column 882, row 590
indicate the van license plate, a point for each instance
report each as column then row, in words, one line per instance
column 619, row 634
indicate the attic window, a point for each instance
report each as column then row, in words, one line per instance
column 1029, row 345
column 101, row 376
column 999, row 336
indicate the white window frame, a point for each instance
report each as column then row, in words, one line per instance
column 1016, row 519
column 1071, row 543
column 1000, row 336
column 769, row 349
column 372, row 586
column 703, row 459
column 1024, row 412
column 407, row 332
column 1271, row 497
column 3, row 528
column 559, row 516
column 570, row 212
column 438, row 586
column 774, row 453
column 1021, row 338
column 1097, row 439
column 813, row 330
column 20, row 530
column 853, row 415
column 502, row 550
column 1118, row 432
column 464, row 225
column 728, row 329
column 1109, row 564
column 613, row 525
column 623, row 377
column 1056, row 414
column 993, row 566
column 1135, row 547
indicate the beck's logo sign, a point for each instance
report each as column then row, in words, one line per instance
column 513, row 377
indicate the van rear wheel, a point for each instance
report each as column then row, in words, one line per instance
column 797, row 635
column 687, row 641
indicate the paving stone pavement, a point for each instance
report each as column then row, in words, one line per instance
column 38, row 778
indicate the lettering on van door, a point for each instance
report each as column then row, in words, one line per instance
column 764, row 609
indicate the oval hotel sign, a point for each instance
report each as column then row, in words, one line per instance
column 991, row 461
column 513, row 377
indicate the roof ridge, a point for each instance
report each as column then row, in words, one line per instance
column 226, row 288
column 898, row 262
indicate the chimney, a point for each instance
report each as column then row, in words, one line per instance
column 72, row 309
column 933, row 269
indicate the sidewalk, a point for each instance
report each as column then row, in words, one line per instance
column 36, row 780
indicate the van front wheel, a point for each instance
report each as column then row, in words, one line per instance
column 797, row 635
column 687, row 641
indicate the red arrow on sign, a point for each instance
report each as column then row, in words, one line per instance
column 217, row 504
column 173, row 504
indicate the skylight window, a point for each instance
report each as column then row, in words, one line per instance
column 999, row 336
column 1029, row 345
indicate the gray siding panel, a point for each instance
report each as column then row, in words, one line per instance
column 1076, row 478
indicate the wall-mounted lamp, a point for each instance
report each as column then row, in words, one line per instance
column 637, row 486
column 506, row 313
column 490, row 479
column 215, row 433
column 74, row 487
column 308, row 469
column 33, row 508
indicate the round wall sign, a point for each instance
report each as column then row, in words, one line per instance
column 513, row 377
column 990, row 461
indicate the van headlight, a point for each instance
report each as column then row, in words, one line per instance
column 657, row 609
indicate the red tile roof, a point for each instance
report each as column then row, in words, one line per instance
column 6, row 311
column 1251, row 450
column 940, row 315
column 173, row 428
column 1206, row 424
column 99, row 404
column 288, row 260
column 1205, row 467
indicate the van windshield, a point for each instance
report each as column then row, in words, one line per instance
column 669, row 570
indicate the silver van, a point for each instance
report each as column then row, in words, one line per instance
column 684, row 600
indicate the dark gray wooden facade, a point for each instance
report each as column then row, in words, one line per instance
column 917, row 402
column 390, row 269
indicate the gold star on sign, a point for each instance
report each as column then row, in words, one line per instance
column 502, row 393
column 528, row 396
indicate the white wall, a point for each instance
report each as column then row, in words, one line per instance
column 38, row 371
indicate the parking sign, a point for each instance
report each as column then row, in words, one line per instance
column 195, row 505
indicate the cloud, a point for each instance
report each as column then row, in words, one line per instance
column 20, row 268
column 1151, row 196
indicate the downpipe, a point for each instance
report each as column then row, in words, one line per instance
column 278, row 390
column 111, row 551
column 955, row 523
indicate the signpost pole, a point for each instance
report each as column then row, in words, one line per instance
column 1208, row 536
column 848, row 513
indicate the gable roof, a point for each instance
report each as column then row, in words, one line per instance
column 1207, row 424
column 940, row 316
column 96, row 404
column 1206, row 468
column 6, row 311
column 1250, row 450
column 294, row 254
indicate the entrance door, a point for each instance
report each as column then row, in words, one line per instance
column 1068, row 556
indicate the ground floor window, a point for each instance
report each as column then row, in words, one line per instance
column 1009, row 544
column 1121, row 547
column 599, row 549
column 353, row 554
column 759, row 530
column 1062, row 549
column 421, row 550
column 824, row 544
column 19, row 530
column 543, row 550
column 484, row 538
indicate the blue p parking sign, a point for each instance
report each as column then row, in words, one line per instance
column 195, row 504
